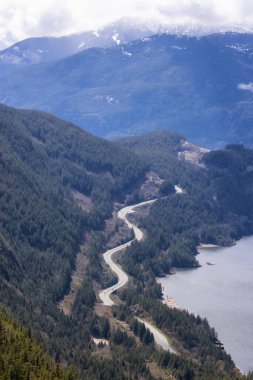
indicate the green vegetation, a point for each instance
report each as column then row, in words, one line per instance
column 159, row 150
column 159, row 82
column 21, row 357
column 42, row 160
column 199, row 359
column 215, row 208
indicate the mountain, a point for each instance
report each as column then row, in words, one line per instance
column 159, row 149
column 46, row 49
column 45, row 165
column 200, row 87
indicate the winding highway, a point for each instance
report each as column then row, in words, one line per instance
column 159, row 337
column 105, row 294
column 123, row 277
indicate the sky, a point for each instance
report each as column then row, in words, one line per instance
column 20, row 19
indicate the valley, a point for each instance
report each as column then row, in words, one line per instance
column 87, row 225
column 68, row 168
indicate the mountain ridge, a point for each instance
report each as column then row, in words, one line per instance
column 200, row 87
column 49, row 48
column 42, row 160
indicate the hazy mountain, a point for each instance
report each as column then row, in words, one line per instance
column 45, row 49
column 200, row 86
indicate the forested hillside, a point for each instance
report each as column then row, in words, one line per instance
column 42, row 161
column 159, row 149
column 46, row 164
column 212, row 209
column 22, row 358
column 198, row 86
column 216, row 206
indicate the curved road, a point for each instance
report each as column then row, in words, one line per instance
column 159, row 337
column 123, row 277
column 104, row 295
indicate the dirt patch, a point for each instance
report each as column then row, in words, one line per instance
column 116, row 232
column 159, row 373
column 151, row 186
column 192, row 153
column 106, row 311
column 97, row 341
column 82, row 200
column 36, row 140
column 76, row 280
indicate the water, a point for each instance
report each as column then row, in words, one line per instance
column 223, row 293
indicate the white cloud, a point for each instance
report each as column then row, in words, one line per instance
column 246, row 86
column 25, row 18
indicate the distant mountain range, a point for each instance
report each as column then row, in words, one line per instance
column 199, row 86
column 46, row 49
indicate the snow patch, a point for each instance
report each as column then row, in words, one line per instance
column 96, row 33
column 82, row 44
column 116, row 39
column 126, row 53
column 245, row 86
column 177, row 47
column 239, row 48
column 11, row 58
column 98, row 98
column 109, row 99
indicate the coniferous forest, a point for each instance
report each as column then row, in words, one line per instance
column 44, row 163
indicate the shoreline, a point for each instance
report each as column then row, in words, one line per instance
column 208, row 246
column 242, row 367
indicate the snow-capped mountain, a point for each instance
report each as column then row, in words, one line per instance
column 46, row 49
column 199, row 86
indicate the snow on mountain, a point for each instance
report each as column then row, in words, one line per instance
column 46, row 49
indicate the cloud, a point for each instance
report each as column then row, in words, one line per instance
column 245, row 86
column 20, row 19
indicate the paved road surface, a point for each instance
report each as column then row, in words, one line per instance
column 160, row 338
column 105, row 294
column 123, row 277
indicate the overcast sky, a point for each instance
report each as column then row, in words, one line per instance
column 20, row 19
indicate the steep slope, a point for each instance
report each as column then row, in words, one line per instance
column 22, row 358
column 43, row 161
column 216, row 206
column 159, row 149
column 198, row 86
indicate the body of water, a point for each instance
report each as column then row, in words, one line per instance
column 223, row 293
